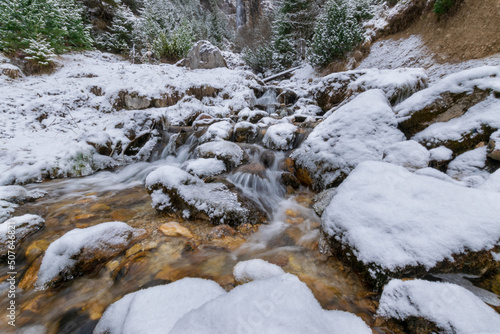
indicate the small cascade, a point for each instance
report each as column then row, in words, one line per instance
column 268, row 101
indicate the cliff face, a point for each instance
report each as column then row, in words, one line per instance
column 244, row 13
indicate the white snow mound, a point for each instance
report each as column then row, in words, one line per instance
column 246, row 271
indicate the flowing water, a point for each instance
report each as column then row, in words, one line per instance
column 289, row 240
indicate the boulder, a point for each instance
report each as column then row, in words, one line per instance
column 280, row 136
column 204, row 55
column 245, row 132
column 174, row 229
column 392, row 223
column 178, row 192
column 230, row 153
column 358, row 131
column 409, row 154
column 81, row 251
column 218, row 131
column 202, row 167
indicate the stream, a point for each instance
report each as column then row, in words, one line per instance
column 290, row 240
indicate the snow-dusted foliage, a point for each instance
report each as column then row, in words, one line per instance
column 451, row 307
column 434, row 219
column 337, row 31
column 41, row 27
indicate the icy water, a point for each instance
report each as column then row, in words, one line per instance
column 290, row 240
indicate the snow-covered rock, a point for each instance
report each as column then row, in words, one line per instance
column 11, row 71
column 465, row 132
column 279, row 304
column 280, row 136
column 82, row 250
column 449, row 306
column 396, row 84
column 229, row 152
column 390, row 219
column 18, row 194
column 204, row 167
column 470, row 167
column 204, row 55
column 246, row 271
column 218, row 131
column 441, row 154
column 176, row 191
column 252, row 116
column 20, row 228
column 245, row 132
column 449, row 98
column 356, row 132
column 409, row 154
column 492, row 183
column 157, row 309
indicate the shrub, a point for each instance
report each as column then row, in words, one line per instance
column 175, row 45
column 443, row 6
column 337, row 32
column 259, row 60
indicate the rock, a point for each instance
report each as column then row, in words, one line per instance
column 16, row 230
column 218, row 131
column 247, row 271
column 229, row 152
column 221, row 231
column 358, row 131
column 255, row 168
column 204, row 55
column 176, row 191
column 143, row 246
column 470, row 167
column 224, row 236
column 287, row 97
column 131, row 101
column 252, row 116
column 204, row 167
column 19, row 195
column 409, row 154
column 174, row 229
column 81, row 251
column 494, row 146
column 245, row 132
column 392, row 223
column 288, row 179
column 101, row 141
column 322, row 200
column 280, row 136
column 11, row 71
column 451, row 307
column 35, row 249
column 448, row 99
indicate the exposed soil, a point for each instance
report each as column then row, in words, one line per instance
column 469, row 31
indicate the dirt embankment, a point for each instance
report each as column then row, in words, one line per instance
column 469, row 31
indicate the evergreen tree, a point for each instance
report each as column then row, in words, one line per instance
column 119, row 37
column 337, row 31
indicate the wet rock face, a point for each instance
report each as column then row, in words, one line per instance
column 204, row 55
column 175, row 191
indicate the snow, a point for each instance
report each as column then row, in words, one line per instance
column 469, row 167
column 409, row 154
column 251, row 115
column 60, row 256
column 485, row 77
column 449, row 306
column 157, row 309
column 356, row 132
column 462, row 280
column 280, row 136
column 441, row 153
column 482, row 114
column 412, row 52
column 229, row 152
column 204, row 167
column 23, row 226
column 246, row 271
column 19, row 194
column 213, row 199
column 392, row 218
column 279, row 304
column 46, row 118
column 432, row 172
column 218, row 131
column 492, row 183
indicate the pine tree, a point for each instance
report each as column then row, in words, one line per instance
column 39, row 50
column 119, row 37
column 336, row 32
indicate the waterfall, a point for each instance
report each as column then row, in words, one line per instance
column 240, row 13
